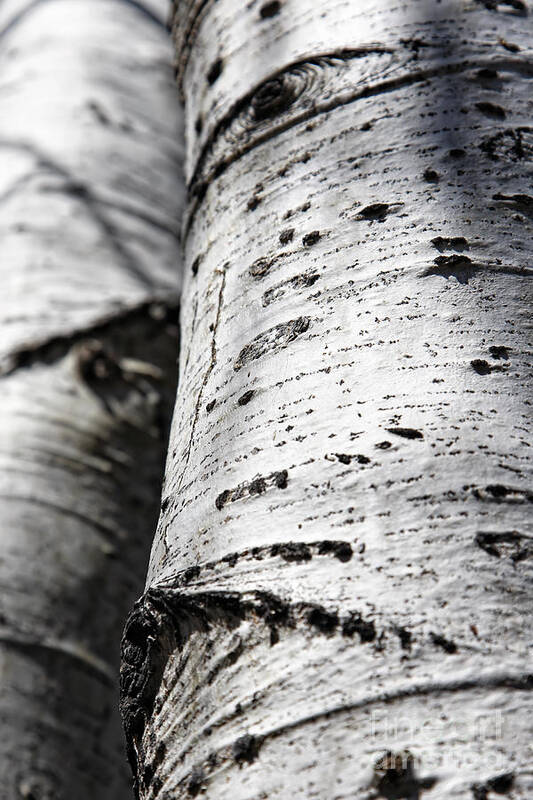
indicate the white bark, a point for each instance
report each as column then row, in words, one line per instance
column 90, row 192
column 345, row 538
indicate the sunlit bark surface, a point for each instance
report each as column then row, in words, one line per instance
column 89, row 202
column 339, row 595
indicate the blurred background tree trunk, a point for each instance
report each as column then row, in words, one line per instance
column 90, row 193
column 338, row 601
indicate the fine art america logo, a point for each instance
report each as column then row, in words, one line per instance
column 442, row 742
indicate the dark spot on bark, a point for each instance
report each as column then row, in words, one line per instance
column 272, row 98
column 341, row 550
column 199, row 124
column 520, row 202
column 361, row 459
column 491, row 110
column 246, row 748
column 508, row 144
column 324, row 621
column 395, row 777
column 414, row 45
column 430, row 175
column 457, row 152
column 215, row 71
column 246, row 397
column 272, row 341
column 365, row 629
column 190, row 574
column 195, row 782
column 210, row 406
column 165, row 503
column 510, row 46
column 497, row 490
column 518, row 5
column 383, row 445
column 501, row 784
column 510, row 544
column 296, row 282
column 486, row 74
column 453, row 262
column 270, row 9
column 281, row 479
column 99, row 113
column 310, row 238
column 499, row 352
column 286, row 236
column 375, row 211
column 457, row 266
column 198, row 190
column 219, row 169
column 195, row 265
column 274, row 636
column 366, row 126
column 480, row 366
column 488, row 541
column 292, row 551
column 253, row 202
column 305, row 207
column 230, row 559
column 222, row 499
column 272, row 610
column 343, row 458
column 406, row 433
column 257, row 486
column 450, row 243
column 404, row 636
column 445, row 644
column 76, row 189
column 261, row 267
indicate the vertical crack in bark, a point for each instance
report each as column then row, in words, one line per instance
column 207, row 375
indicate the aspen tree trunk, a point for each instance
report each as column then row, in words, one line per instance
column 339, row 594
column 90, row 194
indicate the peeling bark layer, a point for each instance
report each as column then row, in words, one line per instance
column 90, row 191
column 342, row 568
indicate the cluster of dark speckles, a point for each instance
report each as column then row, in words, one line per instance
column 288, row 551
column 346, row 458
column 445, row 644
column 501, row 784
column 272, row 341
column 256, row 486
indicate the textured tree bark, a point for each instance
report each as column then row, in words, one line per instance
column 90, row 192
column 337, row 602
